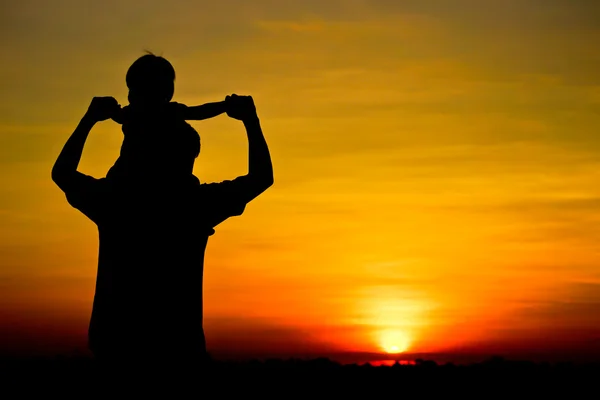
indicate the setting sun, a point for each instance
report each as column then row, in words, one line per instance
column 394, row 342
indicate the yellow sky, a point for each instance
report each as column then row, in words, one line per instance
column 436, row 167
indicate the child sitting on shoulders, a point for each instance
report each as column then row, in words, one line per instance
column 155, row 128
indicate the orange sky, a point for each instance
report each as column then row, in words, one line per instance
column 436, row 168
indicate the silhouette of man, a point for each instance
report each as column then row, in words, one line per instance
column 147, row 307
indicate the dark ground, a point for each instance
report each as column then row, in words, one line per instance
column 320, row 378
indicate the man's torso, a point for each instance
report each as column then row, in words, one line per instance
column 150, row 267
column 153, row 235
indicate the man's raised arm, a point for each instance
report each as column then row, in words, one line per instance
column 260, row 167
column 64, row 172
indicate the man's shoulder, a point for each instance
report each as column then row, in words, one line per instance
column 87, row 186
column 227, row 192
column 102, row 182
column 225, row 183
column 82, row 180
column 223, row 199
column 89, row 195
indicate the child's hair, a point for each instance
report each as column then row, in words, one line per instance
column 150, row 78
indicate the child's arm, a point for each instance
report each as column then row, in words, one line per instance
column 204, row 111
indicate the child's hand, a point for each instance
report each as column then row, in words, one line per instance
column 103, row 108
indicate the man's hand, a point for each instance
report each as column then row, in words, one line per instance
column 103, row 108
column 240, row 107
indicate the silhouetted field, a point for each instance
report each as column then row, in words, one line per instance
column 308, row 378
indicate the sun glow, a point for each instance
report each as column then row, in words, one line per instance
column 394, row 342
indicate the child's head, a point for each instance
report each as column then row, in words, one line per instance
column 150, row 79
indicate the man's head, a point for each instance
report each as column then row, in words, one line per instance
column 173, row 154
column 150, row 79
column 184, row 149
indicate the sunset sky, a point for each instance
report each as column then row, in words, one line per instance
column 437, row 169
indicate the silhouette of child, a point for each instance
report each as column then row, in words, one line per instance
column 155, row 128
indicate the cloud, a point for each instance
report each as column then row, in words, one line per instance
column 244, row 335
column 515, row 13
column 576, row 306
column 569, row 322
